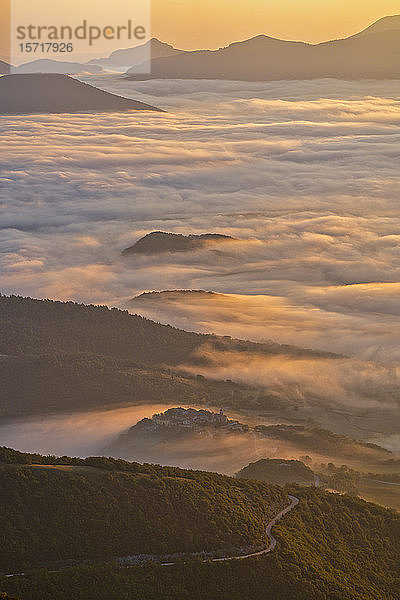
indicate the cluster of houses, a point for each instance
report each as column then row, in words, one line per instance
column 191, row 419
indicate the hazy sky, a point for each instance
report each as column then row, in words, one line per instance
column 192, row 24
column 209, row 24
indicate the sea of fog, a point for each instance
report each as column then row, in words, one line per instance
column 304, row 174
column 80, row 434
column 93, row 434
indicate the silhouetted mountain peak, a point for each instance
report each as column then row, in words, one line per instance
column 54, row 93
column 159, row 242
column 370, row 54
column 137, row 55
column 388, row 23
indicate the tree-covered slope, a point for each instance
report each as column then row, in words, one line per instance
column 45, row 327
column 62, row 382
column 278, row 471
column 100, row 509
column 35, row 327
column 329, row 548
column 57, row 356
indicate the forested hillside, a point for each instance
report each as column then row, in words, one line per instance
column 66, row 509
column 58, row 356
column 34, row 327
column 64, row 356
column 60, row 382
column 329, row 548
column 278, row 471
column 45, row 327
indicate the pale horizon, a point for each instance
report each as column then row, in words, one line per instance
column 184, row 27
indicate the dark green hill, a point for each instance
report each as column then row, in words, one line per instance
column 59, row 356
column 64, row 356
column 278, row 471
column 61, row 510
column 37, row 327
column 330, row 547
column 45, row 327
column 58, row 383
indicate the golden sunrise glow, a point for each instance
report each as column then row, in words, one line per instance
column 194, row 24
column 4, row 29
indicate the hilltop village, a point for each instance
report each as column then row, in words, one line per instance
column 199, row 421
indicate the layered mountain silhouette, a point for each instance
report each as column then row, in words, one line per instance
column 53, row 93
column 389, row 23
column 4, row 67
column 373, row 53
column 158, row 242
column 47, row 65
column 136, row 55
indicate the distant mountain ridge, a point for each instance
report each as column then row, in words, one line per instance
column 4, row 67
column 63, row 356
column 54, row 93
column 154, row 48
column 47, row 65
column 389, row 23
column 373, row 53
column 159, row 242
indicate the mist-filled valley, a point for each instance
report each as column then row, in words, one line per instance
column 302, row 175
column 199, row 327
column 95, row 433
column 75, row 434
column 370, row 471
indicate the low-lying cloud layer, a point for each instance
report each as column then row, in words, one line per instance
column 81, row 434
column 305, row 173
column 360, row 320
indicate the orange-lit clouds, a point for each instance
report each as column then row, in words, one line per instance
column 196, row 24
column 305, row 173
column 343, row 319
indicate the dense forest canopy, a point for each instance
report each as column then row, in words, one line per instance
column 30, row 326
column 331, row 547
column 70, row 509
column 278, row 471
column 46, row 327
column 57, row 356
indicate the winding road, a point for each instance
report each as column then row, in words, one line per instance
column 270, row 548
column 272, row 541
